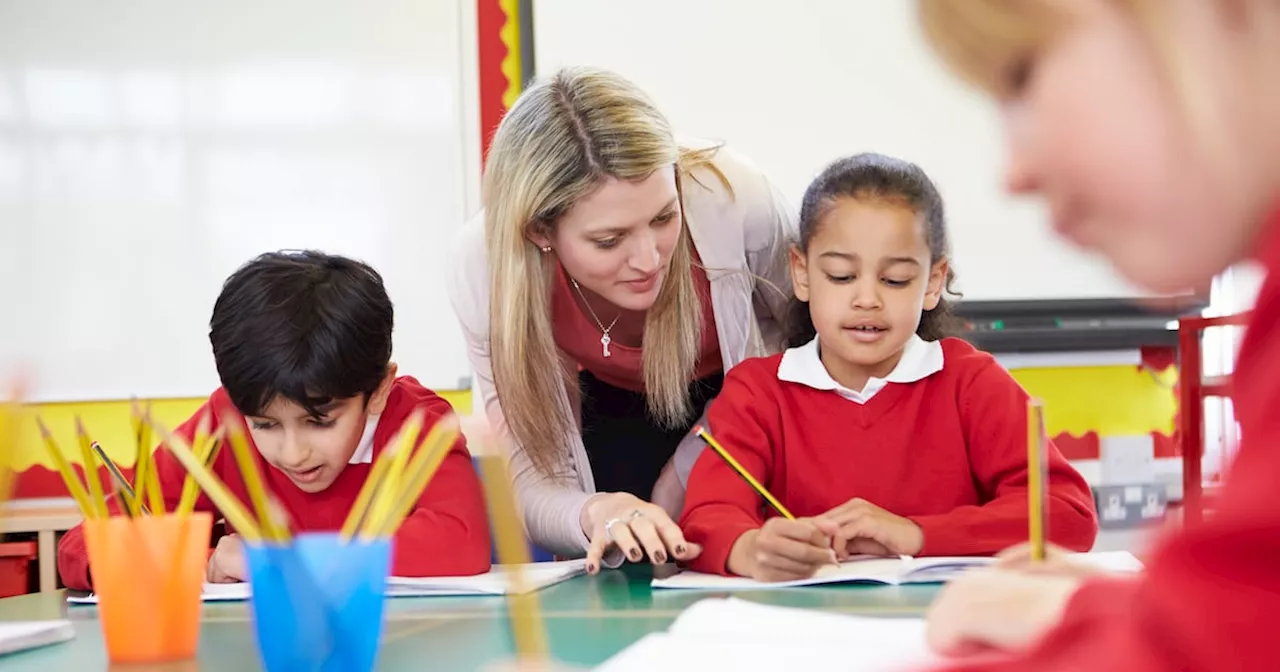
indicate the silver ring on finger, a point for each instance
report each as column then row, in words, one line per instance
column 608, row 527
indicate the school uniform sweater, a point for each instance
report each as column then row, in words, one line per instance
column 447, row 533
column 947, row 451
column 1210, row 593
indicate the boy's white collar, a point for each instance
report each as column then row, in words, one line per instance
column 364, row 451
column 803, row 365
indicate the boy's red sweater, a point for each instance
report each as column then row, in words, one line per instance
column 446, row 534
column 948, row 452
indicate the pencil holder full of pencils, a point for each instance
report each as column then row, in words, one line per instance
column 317, row 601
column 148, row 573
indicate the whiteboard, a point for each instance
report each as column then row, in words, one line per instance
column 795, row 85
column 149, row 148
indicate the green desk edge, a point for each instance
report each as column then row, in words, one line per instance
column 588, row 619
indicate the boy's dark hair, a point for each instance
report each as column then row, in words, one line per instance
column 875, row 177
column 307, row 326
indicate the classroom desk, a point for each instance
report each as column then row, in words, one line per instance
column 588, row 620
column 46, row 518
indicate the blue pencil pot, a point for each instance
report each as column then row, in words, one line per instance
column 318, row 603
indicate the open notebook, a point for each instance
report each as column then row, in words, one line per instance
column 735, row 634
column 22, row 635
column 889, row 571
column 537, row 576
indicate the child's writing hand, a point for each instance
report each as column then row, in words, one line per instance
column 227, row 564
column 784, row 550
column 865, row 528
column 1057, row 562
column 996, row 608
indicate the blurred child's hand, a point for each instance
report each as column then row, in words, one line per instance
column 227, row 564
column 1057, row 562
column 865, row 528
column 784, row 550
column 995, row 608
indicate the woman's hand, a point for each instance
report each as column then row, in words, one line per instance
column 227, row 564
column 783, row 550
column 996, row 608
column 638, row 528
column 865, row 528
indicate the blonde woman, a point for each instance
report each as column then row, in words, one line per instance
column 1152, row 128
column 612, row 278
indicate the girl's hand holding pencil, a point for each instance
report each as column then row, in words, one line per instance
column 784, row 549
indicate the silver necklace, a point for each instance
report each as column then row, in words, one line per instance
column 605, row 340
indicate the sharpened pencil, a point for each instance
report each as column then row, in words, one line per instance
column 742, row 471
column 69, row 478
column 222, row 498
column 1037, row 475
column 127, row 495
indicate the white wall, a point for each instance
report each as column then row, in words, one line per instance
column 149, row 148
column 797, row 84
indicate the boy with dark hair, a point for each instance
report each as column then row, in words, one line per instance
column 302, row 342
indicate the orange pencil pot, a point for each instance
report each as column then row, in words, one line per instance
column 148, row 574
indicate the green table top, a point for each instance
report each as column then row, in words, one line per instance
column 588, row 619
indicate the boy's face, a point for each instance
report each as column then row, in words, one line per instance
column 313, row 451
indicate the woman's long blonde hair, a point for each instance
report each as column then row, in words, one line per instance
column 562, row 137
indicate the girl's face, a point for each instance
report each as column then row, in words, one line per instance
column 1094, row 130
column 617, row 242
column 867, row 276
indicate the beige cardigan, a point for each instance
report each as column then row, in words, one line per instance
column 748, row 232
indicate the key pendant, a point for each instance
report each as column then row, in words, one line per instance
column 604, row 341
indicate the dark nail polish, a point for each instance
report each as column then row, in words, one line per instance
column 591, row 568
column 635, row 554
column 660, row 558
column 680, row 549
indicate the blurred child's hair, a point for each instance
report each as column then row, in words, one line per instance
column 306, row 326
column 876, row 178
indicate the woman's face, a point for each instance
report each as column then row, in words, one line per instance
column 617, row 242
column 1092, row 128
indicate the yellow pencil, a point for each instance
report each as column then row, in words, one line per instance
column 90, row 466
column 1037, row 475
column 146, row 485
column 252, row 479
column 208, row 453
column 394, row 478
column 418, row 474
column 227, row 504
column 155, row 496
column 371, row 483
column 74, row 486
column 527, row 626
column 746, row 476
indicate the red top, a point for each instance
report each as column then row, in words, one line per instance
column 446, row 534
column 579, row 336
column 1210, row 594
column 948, row 452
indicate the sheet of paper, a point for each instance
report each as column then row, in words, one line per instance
column 23, row 635
column 856, row 570
column 537, row 576
column 742, row 635
column 889, row 571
